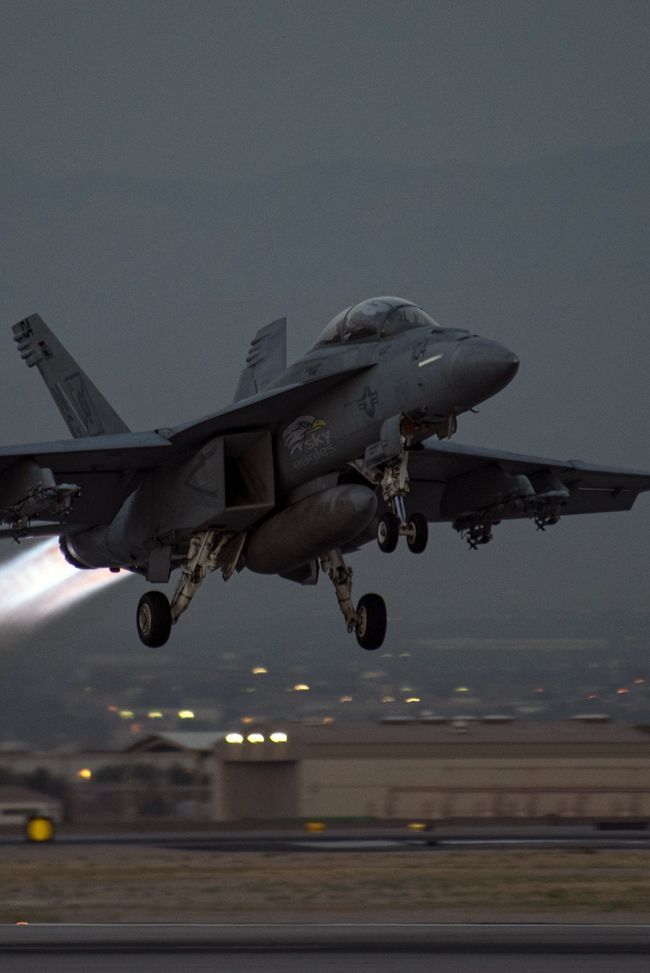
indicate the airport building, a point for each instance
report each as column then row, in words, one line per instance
column 493, row 768
column 432, row 770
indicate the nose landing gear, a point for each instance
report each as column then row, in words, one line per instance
column 394, row 523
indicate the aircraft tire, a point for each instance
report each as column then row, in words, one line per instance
column 417, row 533
column 371, row 621
column 388, row 533
column 154, row 619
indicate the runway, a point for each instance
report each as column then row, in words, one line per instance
column 445, row 948
column 365, row 839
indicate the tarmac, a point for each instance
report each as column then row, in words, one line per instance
column 274, row 947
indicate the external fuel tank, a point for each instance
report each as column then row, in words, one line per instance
column 309, row 528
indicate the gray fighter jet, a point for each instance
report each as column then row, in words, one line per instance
column 346, row 446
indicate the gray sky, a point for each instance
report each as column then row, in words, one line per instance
column 220, row 90
column 174, row 175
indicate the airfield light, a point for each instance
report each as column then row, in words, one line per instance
column 126, row 714
column 259, row 670
column 388, row 699
column 186, row 714
column 301, row 687
column 461, row 689
column 39, row 583
column 155, row 714
column 345, row 699
column 247, row 720
column 255, row 738
column 234, row 738
column 85, row 773
column 412, row 699
column 278, row 737
column 622, row 691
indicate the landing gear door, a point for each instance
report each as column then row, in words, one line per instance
column 389, row 445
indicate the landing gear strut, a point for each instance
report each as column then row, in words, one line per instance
column 395, row 523
column 368, row 620
column 207, row 552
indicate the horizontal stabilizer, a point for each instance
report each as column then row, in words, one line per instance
column 84, row 409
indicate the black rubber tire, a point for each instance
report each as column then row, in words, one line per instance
column 154, row 619
column 371, row 622
column 388, row 533
column 418, row 533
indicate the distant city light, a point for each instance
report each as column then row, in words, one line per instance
column 639, row 681
column 461, row 689
column 234, row 738
column 126, row 714
column 622, row 691
column 155, row 714
column 247, row 720
column 278, row 737
column 186, row 714
column 388, row 699
column 259, row 670
column 85, row 773
column 255, row 738
column 301, row 687
column 346, row 699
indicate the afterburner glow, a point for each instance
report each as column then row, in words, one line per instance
column 39, row 583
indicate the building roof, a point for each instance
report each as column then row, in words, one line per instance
column 470, row 730
column 14, row 794
column 195, row 741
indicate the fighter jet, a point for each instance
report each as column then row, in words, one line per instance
column 349, row 445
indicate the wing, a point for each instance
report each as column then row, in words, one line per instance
column 450, row 481
column 105, row 469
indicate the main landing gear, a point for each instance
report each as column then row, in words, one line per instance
column 207, row 552
column 368, row 620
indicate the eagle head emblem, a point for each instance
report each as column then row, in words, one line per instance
column 296, row 434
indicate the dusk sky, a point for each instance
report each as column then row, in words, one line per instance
column 174, row 175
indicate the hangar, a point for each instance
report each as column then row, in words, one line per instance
column 435, row 770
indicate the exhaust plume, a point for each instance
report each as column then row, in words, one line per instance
column 39, row 583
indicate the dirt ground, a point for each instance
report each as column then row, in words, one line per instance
column 128, row 884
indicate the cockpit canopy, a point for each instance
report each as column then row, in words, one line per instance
column 378, row 317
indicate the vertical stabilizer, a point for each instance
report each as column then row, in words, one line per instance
column 84, row 408
column 266, row 359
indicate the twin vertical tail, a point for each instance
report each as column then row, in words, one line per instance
column 84, row 409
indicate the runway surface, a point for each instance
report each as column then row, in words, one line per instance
column 359, row 839
column 390, row 962
column 320, row 947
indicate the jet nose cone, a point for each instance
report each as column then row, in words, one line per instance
column 480, row 368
